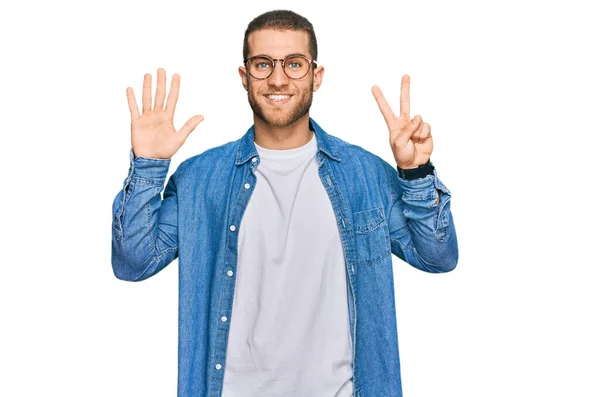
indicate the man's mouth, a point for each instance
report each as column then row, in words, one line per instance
column 278, row 99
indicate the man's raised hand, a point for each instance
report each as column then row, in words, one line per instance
column 153, row 134
column 410, row 140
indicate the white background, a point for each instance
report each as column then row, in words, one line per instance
column 511, row 90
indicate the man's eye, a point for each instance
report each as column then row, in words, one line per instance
column 263, row 65
column 293, row 65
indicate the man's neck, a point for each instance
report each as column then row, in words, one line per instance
column 282, row 138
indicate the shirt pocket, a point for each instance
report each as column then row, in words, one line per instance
column 371, row 236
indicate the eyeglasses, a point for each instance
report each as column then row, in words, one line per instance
column 294, row 66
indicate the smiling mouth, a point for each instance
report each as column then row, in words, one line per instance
column 278, row 99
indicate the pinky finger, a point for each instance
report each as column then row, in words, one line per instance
column 133, row 107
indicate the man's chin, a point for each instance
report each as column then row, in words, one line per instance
column 278, row 121
column 277, row 118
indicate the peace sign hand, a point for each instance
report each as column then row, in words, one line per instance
column 410, row 140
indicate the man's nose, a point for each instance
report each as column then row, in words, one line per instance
column 278, row 77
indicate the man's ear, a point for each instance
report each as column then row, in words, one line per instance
column 242, row 71
column 318, row 77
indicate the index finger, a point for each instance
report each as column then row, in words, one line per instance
column 384, row 107
column 405, row 98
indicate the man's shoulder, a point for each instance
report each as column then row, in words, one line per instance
column 358, row 153
column 362, row 168
column 214, row 156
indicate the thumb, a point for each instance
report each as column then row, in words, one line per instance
column 190, row 125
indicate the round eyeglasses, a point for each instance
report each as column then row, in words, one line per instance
column 294, row 66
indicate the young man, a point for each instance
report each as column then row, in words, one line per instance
column 284, row 236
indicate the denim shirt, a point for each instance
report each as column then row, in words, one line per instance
column 196, row 220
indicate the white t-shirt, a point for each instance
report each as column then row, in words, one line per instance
column 289, row 333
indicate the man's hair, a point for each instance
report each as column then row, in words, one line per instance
column 282, row 20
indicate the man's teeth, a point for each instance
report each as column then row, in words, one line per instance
column 278, row 97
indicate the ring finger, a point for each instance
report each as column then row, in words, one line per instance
column 424, row 133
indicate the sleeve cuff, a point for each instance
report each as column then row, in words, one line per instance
column 425, row 189
column 148, row 168
column 415, row 173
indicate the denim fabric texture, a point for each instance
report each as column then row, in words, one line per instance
column 196, row 220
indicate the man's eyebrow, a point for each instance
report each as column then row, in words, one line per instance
column 298, row 53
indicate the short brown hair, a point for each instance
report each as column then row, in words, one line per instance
column 282, row 20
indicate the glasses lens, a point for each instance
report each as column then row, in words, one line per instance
column 296, row 67
column 260, row 67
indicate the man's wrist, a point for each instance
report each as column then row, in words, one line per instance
column 148, row 168
column 414, row 173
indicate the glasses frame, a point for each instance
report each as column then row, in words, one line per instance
column 311, row 62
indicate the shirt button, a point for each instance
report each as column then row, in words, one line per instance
column 223, row 319
column 229, row 273
column 218, row 366
column 247, row 186
column 254, row 159
column 232, row 228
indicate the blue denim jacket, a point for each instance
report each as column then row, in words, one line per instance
column 197, row 218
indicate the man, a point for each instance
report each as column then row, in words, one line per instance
column 284, row 236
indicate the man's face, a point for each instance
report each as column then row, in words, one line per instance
column 297, row 93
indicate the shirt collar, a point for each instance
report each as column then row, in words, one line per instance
column 247, row 150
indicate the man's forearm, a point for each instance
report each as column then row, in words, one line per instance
column 420, row 222
column 427, row 209
column 144, row 227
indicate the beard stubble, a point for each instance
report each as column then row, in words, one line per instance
column 274, row 119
